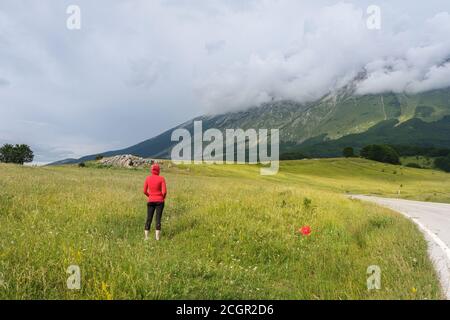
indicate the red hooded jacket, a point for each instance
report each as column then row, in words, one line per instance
column 155, row 186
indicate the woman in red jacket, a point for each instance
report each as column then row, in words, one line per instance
column 155, row 190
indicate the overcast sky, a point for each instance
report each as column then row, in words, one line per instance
column 137, row 68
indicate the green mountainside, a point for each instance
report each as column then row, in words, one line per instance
column 323, row 127
column 414, row 132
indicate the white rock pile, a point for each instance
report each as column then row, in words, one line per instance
column 126, row 161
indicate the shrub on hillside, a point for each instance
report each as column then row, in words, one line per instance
column 293, row 156
column 408, row 151
column 413, row 165
column 380, row 153
column 348, row 152
column 443, row 163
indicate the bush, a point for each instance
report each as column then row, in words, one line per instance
column 413, row 165
column 307, row 202
column 380, row 153
column 408, row 151
column 19, row 153
column 348, row 152
column 293, row 156
column 98, row 157
column 82, row 164
column 443, row 163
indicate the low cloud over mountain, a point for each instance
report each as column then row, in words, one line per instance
column 334, row 45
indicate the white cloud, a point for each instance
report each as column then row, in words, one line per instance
column 4, row 82
column 334, row 47
column 422, row 65
column 145, row 72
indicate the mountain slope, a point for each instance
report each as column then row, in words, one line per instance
column 414, row 132
column 339, row 114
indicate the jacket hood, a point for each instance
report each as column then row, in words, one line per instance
column 156, row 169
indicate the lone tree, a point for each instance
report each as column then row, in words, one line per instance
column 348, row 152
column 380, row 153
column 19, row 153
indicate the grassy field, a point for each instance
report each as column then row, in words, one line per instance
column 228, row 233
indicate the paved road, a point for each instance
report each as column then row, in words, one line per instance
column 433, row 219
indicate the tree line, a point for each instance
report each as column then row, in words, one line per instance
column 391, row 154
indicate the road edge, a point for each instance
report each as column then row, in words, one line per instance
column 438, row 251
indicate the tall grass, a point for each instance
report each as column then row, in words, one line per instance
column 228, row 233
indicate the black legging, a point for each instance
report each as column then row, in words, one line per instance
column 151, row 206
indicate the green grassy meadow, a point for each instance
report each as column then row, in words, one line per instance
column 228, row 233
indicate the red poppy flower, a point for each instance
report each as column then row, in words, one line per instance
column 306, row 230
